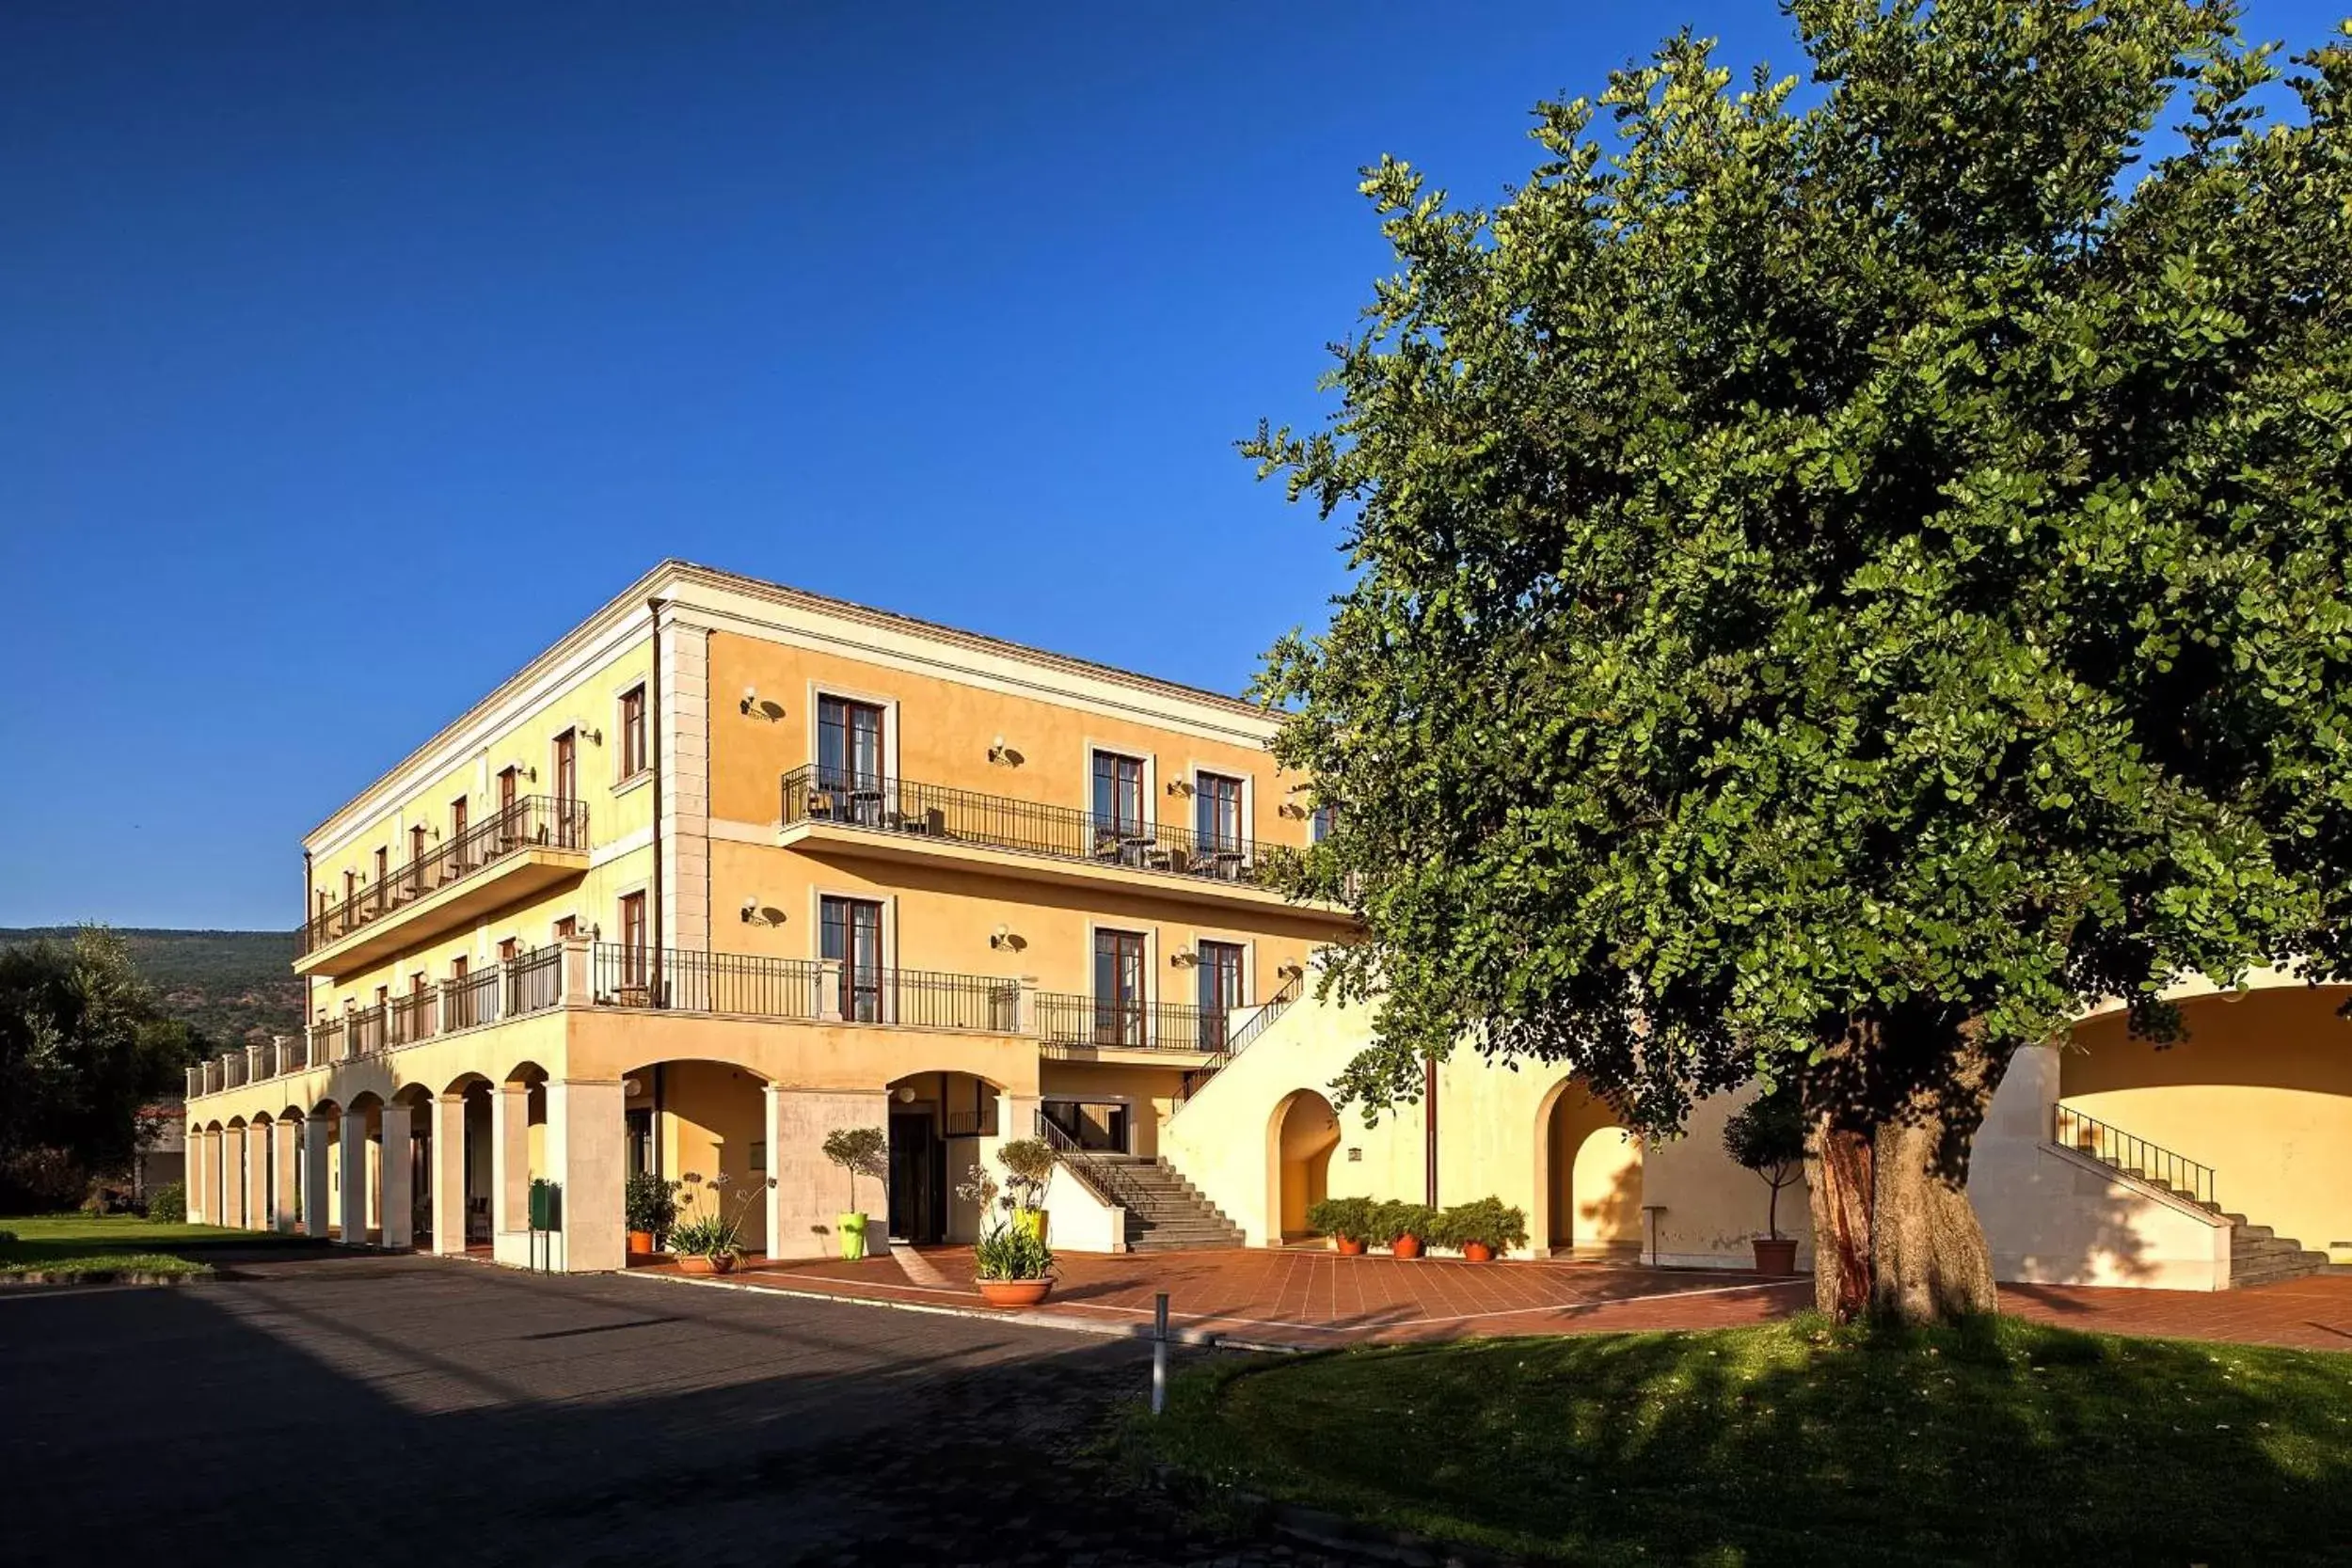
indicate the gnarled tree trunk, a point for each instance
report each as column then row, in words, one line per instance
column 1892, row 1113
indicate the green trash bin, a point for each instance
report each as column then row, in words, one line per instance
column 853, row 1228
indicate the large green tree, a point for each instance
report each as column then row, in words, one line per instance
column 82, row 1049
column 1846, row 575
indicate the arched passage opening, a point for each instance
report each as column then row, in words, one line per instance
column 703, row 1123
column 940, row 1124
column 410, row 1162
column 1300, row 1136
column 355, row 1170
column 1588, row 1175
column 462, row 1132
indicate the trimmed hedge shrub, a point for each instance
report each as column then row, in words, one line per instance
column 168, row 1204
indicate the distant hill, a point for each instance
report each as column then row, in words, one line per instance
column 225, row 983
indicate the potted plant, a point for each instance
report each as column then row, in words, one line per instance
column 860, row 1151
column 649, row 1203
column 710, row 1243
column 1402, row 1227
column 1028, row 1166
column 1012, row 1265
column 1481, row 1229
column 1767, row 1136
column 1349, row 1221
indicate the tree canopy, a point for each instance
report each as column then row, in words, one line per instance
column 82, row 1048
column 1847, row 574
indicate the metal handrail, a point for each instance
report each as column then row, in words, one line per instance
column 1064, row 1018
column 846, row 798
column 1273, row 1008
column 2131, row 1154
column 1101, row 1177
column 806, row 989
column 534, row 822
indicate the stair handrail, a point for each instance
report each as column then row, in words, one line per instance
column 1101, row 1178
column 2132, row 1154
column 1240, row 1041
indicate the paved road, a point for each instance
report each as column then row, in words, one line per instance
column 350, row 1410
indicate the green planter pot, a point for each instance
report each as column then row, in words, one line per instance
column 853, row 1228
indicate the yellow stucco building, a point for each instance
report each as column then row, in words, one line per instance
column 732, row 866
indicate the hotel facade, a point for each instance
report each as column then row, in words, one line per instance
column 732, row 865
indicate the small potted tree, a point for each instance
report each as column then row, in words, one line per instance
column 1481, row 1229
column 1402, row 1227
column 649, row 1203
column 1767, row 1136
column 860, row 1151
column 1349, row 1221
column 1028, row 1166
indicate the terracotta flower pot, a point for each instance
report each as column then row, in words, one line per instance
column 690, row 1262
column 1348, row 1247
column 1477, row 1252
column 1775, row 1256
column 1013, row 1292
column 641, row 1244
column 1404, row 1246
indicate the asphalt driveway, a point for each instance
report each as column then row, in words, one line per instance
column 352, row 1409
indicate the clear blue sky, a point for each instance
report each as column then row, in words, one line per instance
column 350, row 353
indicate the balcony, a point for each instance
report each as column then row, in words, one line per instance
column 528, row 846
column 578, row 974
column 900, row 820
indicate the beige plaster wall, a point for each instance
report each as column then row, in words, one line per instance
column 2261, row 1091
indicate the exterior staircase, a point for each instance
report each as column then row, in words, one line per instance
column 2258, row 1254
column 1164, row 1211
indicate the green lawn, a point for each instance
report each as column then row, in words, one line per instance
column 79, row 1244
column 1794, row 1443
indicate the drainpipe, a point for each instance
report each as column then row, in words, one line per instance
column 308, row 894
column 653, row 753
column 1429, row 1150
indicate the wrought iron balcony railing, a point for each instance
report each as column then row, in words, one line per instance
column 807, row 989
column 535, row 821
column 939, row 812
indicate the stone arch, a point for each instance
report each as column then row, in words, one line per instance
column 1588, row 1172
column 942, row 1121
column 704, row 1117
column 1302, row 1132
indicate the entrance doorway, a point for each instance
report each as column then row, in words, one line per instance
column 918, row 1180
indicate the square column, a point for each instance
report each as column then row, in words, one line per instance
column 396, row 1205
column 194, row 1175
column 805, row 1203
column 354, row 1177
column 510, row 1171
column 316, row 1138
column 257, row 1152
column 215, row 1183
column 232, row 1178
column 588, row 1152
column 285, row 1207
column 449, row 1175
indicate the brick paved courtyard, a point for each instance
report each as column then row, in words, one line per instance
column 1311, row 1298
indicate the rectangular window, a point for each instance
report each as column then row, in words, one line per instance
column 383, row 860
column 1222, row 990
column 1119, row 988
column 632, row 732
column 851, row 744
column 1322, row 825
column 458, row 967
column 457, row 819
column 569, row 924
column 1216, row 812
column 417, row 844
column 507, row 783
column 633, row 938
column 567, row 767
column 851, row 933
column 1118, row 796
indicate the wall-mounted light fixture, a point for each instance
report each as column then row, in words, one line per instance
column 755, row 915
column 1290, row 972
column 998, row 750
column 905, row 1093
column 1179, row 787
column 594, row 737
column 1000, row 938
column 1183, row 956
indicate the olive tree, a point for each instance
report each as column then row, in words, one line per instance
column 1846, row 575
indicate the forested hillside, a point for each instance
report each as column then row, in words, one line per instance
column 221, row 983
